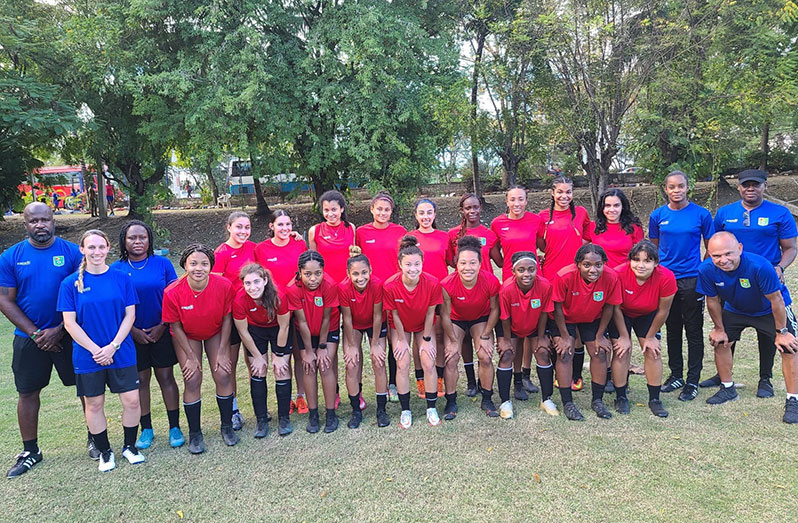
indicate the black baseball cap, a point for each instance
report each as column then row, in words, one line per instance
column 756, row 175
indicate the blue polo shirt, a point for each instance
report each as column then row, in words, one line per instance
column 37, row 274
column 150, row 277
column 679, row 233
column 769, row 223
column 743, row 289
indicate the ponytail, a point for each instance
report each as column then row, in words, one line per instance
column 83, row 263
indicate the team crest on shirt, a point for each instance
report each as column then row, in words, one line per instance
column 58, row 261
column 483, row 241
column 319, row 301
column 598, row 295
column 744, row 283
column 762, row 221
column 535, row 304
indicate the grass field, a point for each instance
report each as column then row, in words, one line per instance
column 736, row 461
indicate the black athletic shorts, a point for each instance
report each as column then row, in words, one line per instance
column 234, row 337
column 466, row 324
column 332, row 337
column 639, row 326
column 266, row 336
column 370, row 331
column 158, row 355
column 516, row 336
column 734, row 324
column 118, row 381
column 587, row 331
column 32, row 366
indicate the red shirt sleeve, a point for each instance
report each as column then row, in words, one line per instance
column 614, row 291
column 587, row 231
column 637, row 234
column 169, row 313
column 668, row 284
column 228, row 299
column 294, row 298
column 546, row 295
column 239, row 308
column 559, row 289
column 436, row 293
column 376, row 289
column 330, row 295
column 504, row 303
column 493, row 285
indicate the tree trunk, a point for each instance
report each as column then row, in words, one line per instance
column 764, row 146
column 211, row 181
column 510, row 163
column 481, row 36
column 101, row 201
column 262, row 208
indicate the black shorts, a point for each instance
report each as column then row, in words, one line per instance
column 266, row 336
column 235, row 339
column 639, row 326
column 467, row 324
column 32, row 366
column 370, row 331
column 734, row 324
column 158, row 355
column 516, row 336
column 587, row 331
column 332, row 337
column 118, row 381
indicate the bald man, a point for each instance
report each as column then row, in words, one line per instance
column 31, row 272
column 753, row 297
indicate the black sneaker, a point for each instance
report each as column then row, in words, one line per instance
column 262, row 429
column 331, row 423
column 689, row 392
column 723, row 395
column 529, row 386
column 268, row 417
column 657, row 409
column 26, row 461
column 196, row 443
column 520, row 393
column 489, row 408
column 94, row 453
column 714, row 381
column 790, row 413
column 354, row 421
column 450, row 410
column 284, row 428
column 622, row 405
column 313, row 422
column 382, row 418
column 229, row 435
column 765, row 389
column 571, row 412
column 672, row 383
column 471, row 390
column 600, row 409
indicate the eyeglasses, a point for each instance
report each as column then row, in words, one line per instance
column 746, row 218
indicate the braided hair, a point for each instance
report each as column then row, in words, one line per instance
column 560, row 180
column 123, row 254
column 590, row 248
column 628, row 218
column 196, row 247
column 305, row 258
column 270, row 300
column 464, row 221
column 83, row 263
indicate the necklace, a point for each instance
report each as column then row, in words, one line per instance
column 197, row 293
column 146, row 261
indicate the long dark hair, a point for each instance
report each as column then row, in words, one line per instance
column 337, row 197
column 434, row 208
column 628, row 218
column 270, row 300
column 464, row 220
column 123, row 254
column 276, row 214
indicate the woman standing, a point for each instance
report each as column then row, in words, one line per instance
column 99, row 308
column 616, row 228
column 333, row 237
column 150, row 275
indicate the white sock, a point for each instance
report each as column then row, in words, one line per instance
column 235, row 403
column 792, row 396
column 726, row 384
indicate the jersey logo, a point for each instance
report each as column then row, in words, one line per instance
column 353, row 299
column 763, row 221
column 506, row 228
column 744, row 283
column 319, row 301
column 86, row 289
column 535, row 303
column 233, row 256
column 24, row 263
column 598, row 295
column 664, row 222
column 327, row 237
column 371, row 241
column 628, row 291
column 461, row 298
column 719, row 284
column 58, row 261
column 184, row 307
column 253, row 310
column 483, row 241
column 574, row 293
column 515, row 305
column 271, row 259
column 399, row 300
column 732, row 220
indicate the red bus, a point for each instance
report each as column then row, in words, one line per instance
column 64, row 180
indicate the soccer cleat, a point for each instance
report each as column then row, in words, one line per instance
column 94, row 452
column 362, row 403
column 301, row 405
column 422, row 392
column 145, row 439
column 284, row 427
column 292, row 407
column 622, row 405
column 714, row 381
column 107, row 461
column 393, row 394
column 765, row 389
column 520, row 393
column 355, row 420
column 196, row 443
column 382, row 419
column 262, row 429
column 238, row 420
column 571, row 412
column 529, row 386
column 176, row 438
column 25, row 461
column 229, row 435
column 577, row 385
column 313, row 422
column 723, row 395
column 689, row 392
column 337, row 401
column 406, row 419
column 432, row 417
column 441, row 388
column 600, row 409
column 549, row 407
column 331, row 422
column 132, row 455
column 790, row 411
column 672, row 383
column 506, row 410
column 657, row 409
column 450, row 410
column 471, row 390
column 489, row 408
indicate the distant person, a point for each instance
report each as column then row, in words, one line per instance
column 188, row 190
column 93, row 201
column 55, row 200
column 109, row 197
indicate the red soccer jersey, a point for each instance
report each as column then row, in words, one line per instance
column 201, row 314
column 245, row 308
column 333, row 244
column 281, row 261
column 485, row 236
column 313, row 303
column 471, row 304
column 583, row 302
column 361, row 304
column 229, row 261
column 434, row 245
column 514, row 236
column 381, row 247
column 563, row 236
column 523, row 309
column 639, row 300
column 411, row 305
column 616, row 242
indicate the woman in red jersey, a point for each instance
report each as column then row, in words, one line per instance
column 410, row 298
column 585, row 294
column 231, row 255
column 517, row 231
column 616, row 228
column 198, row 307
column 360, row 298
column 279, row 255
column 648, row 289
column 261, row 315
column 333, row 237
column 470, row 306
column 313, row 298
column 525, row 301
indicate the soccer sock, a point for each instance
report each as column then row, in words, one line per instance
column 432, row 398
column 225, row 404
column 609, row 376
column 337, row 389
column 517, row 377
column 470, row 375
column 451, row 398
column 282, row 389
column 404, row 400
column 653, row 392
column 257, row 389
column 598, row 390
column 174, row 418
column 526, row 373
column 330, row 414
column 355, row 402
column 487, row 393
column 620, row 392
column 727, row 384
column 130, row 435
column 31, row 445
column 579, row 362
column 503, row 377
column 439, row 370
column 566, row 395
column 235, row 403
column 391, row 367
column 360, row 389
column 146, row 421
column 419, row 374
column 789, row 395
column 193, row 416
column 546, row 378
column 101, row 441
column 382, row 400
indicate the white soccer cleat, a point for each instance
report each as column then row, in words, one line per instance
column 432, row 417
column 107, row 461
column 549, row 407
column 132, row 456
column 406, row 419
column 506, row 410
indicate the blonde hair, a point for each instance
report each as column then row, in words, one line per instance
column 82, row 268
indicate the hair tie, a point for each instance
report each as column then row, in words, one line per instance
column 522, row 258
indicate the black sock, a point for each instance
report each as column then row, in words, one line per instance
column 360, row 389
column 432, row 398
column 579, row 362
column 653, row 392
column 526, row 373
column 419, row 374
column 404, row 400
column 31, row 445
column 330, row 413
column 313, row 413
column 546, row 378
column 609, row 376
column 101, row 441
column 355, row 402
column 470, row 375
column 257, row 389
column 503, row 378
column 193, row 416
column 517, row 377
column 566, row 395
column 225, row 404
column 440, row 370
column 174, row 418
column 382, row 400
column 146, row 421
column 282, row 389
column 620, row 392
column 391, row 367
column 598, row 390
column 130, row 435
column 487, row 393
column 337, row 388
column 451, row 398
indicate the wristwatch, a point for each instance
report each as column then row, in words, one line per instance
column 783, row 330
column 426, row 338
column 323, row 346
column 115, row 346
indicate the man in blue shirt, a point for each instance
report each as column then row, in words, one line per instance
column 766, row 229
column 31, row 272
column 754, row 297
column 677, row 229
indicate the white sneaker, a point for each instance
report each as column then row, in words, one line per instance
column 406, row 419
column 506, row 410
column 549, row 407
column 107, row 461
column 393, row 394
column 133, row 456
column 432, row 417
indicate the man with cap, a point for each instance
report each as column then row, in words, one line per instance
column 767, row 229
column 753, row 297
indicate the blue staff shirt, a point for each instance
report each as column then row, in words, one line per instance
column 150, row 277
column 769, row 223
column 679, row 233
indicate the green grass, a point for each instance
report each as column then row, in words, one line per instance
column 734, row 461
